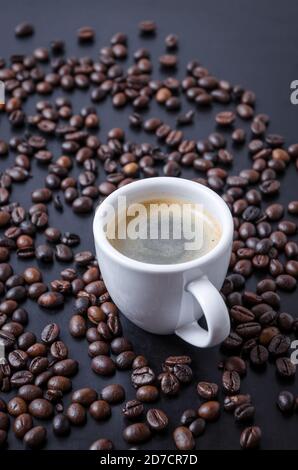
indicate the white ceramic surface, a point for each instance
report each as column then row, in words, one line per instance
column 165, row 299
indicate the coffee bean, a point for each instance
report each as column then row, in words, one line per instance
column 231, row 382
column 188, row 416
column 103, row 365
column 183, row 438
column 77, row 326
column 285, row 401
column 59, row 350
column 84, row 396
column 22, row 424
column 242, row 314
column 259, row 355
column 61, row 425
column 147, row 27
column 197, row 427
column 35, row 437
column 50, row 333
column 285, row 368
column 76, row 414
column 113, row 393
column 86, row 34
column 133, row 409
column 209, row 410
column 207, row 390
column 232, row 402
column 41, row 408
column 279, row 345
column 23, row 30
column 142, row 376
column 250, row 437
column 136, row 433
column 235, row 363
column 157, row 419
column 29, row 392
column 244, row 412
column 100, row 410
column 66, row 367
column 102, row 444
column 147, row 393
column 169, row 384
column 51, row 300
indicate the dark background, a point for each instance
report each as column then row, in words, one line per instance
column 247, row 42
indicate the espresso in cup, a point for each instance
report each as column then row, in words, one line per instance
column 164, row 231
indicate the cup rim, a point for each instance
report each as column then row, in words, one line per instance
column 224, row 242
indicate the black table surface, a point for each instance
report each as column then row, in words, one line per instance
column 245, row 42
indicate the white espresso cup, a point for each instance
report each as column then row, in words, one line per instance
column 169, row 298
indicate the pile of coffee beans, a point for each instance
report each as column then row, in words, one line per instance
column 265, row 249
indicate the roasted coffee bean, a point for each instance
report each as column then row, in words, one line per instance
column 133, row 409
column 197, row 427
column 120, row 344
column 248, row 330
column 76, row 414
column 20, row 378
column 279, row 345
column 30, row 392
column 231, row 382
column 237, row 364
column 23, row 30
column 285, row 402
column 61, row 425
column 86, row 34
column 169, row 384
column 35, row 437
column 50, row 333
column 258, row 355
column 250, row 437
column 244, row 412
column 4, row 421
column 41, row 408
column 100, row 410
column 207, row 390
column 103, row 365
column 157, row 419
column 66, row 367
column 113, row 393
column 171, row 361
column 142, row 376
column 77, row 326
column 242, row 314
column 285, row 367
column 147, row 393
column 16, row 406
column 18, row 359
column 84, row 396
column 136, row 433
column 232, row 402
column 209, row 410
column 51, row 300
column 22, row 424
column 124, row 360
column 188, row 416
column 59, row 350
column 183, row 438
column 233, row 341
column 102, row 444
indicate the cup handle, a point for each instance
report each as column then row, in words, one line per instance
column 215, row 312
